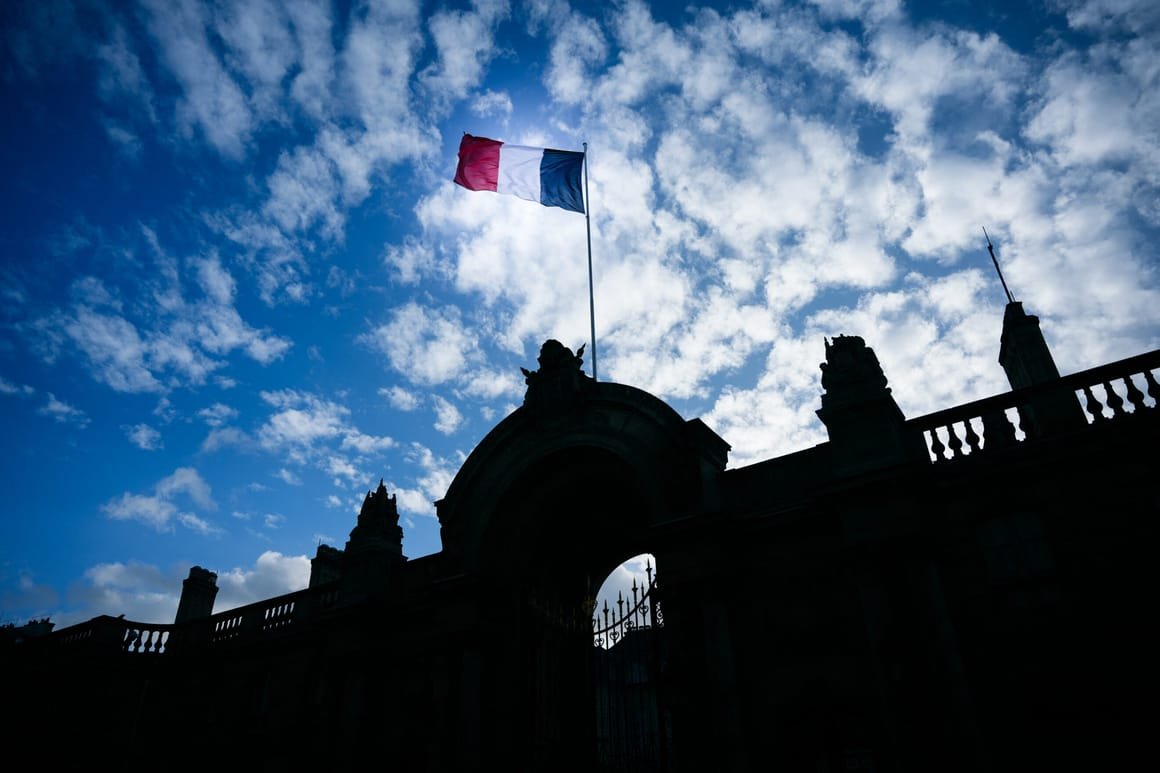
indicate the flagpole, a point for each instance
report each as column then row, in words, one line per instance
column 588, row 226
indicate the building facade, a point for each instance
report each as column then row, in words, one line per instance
column 966, row 590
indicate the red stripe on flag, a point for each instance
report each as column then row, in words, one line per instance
column 478, row 168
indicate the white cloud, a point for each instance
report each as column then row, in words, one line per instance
column 578, row 44
column 123, row 79
column 141, row 592
column 434, row 476
column 196, row 524
column 186, row 480
column 411, row 261
column 366, row 444
column 9, row 388
column 152, row 510
column 286, row 476
column 1111, row 15
column 427, row 346
column 63, row 413
column 492, row 103
column 170, row 341
column 304, row 192
column 222, row 437
column 313, row 28
column 116, row 351
column 301, row 420
column 448, row 419
column 126, row 141
column 159, row 509
column 464, row 45
column 273, row 574
column 217, row 414
column 343, row 471
column 261, row 47
column 399, row 398
column 144, row 437
column 212, row 103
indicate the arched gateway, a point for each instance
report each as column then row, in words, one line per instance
column 584, row 475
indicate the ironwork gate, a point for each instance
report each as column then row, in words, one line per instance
column 633, row 729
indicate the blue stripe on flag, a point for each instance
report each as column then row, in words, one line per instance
column 560, row 180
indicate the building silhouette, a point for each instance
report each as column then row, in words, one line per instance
column 962, row 591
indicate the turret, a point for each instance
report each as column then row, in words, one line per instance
column 374, row 552
column 378, row 527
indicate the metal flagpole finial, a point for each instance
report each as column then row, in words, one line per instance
column 991, row 249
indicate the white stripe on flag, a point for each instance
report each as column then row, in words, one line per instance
column 519, row 171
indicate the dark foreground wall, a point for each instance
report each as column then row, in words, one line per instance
column 856, row 606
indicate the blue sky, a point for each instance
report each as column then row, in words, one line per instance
column 239, row 286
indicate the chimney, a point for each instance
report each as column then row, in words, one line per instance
column 198, row 592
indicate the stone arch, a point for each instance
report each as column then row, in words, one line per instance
column 581, row 460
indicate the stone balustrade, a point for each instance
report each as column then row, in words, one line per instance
column 1120, row 391
column 112, row 634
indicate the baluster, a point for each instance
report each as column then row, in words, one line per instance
column 936, row 445
column 1153, row 387
column 1094, row 407
column 1135, row 396
column 1115, row 402
column 997, row 430
column 1028, row 426
column 954, row 442
column 972, row 437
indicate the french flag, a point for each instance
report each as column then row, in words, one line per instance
column 551, row 177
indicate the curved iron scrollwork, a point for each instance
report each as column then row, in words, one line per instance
column 642, row 610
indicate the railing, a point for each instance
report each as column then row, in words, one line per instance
column 1121, row 391
column 110, row 634
column 641, row 611
column 266, row 617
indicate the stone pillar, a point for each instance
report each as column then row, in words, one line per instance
column 1027, row 361
column 198, row 592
